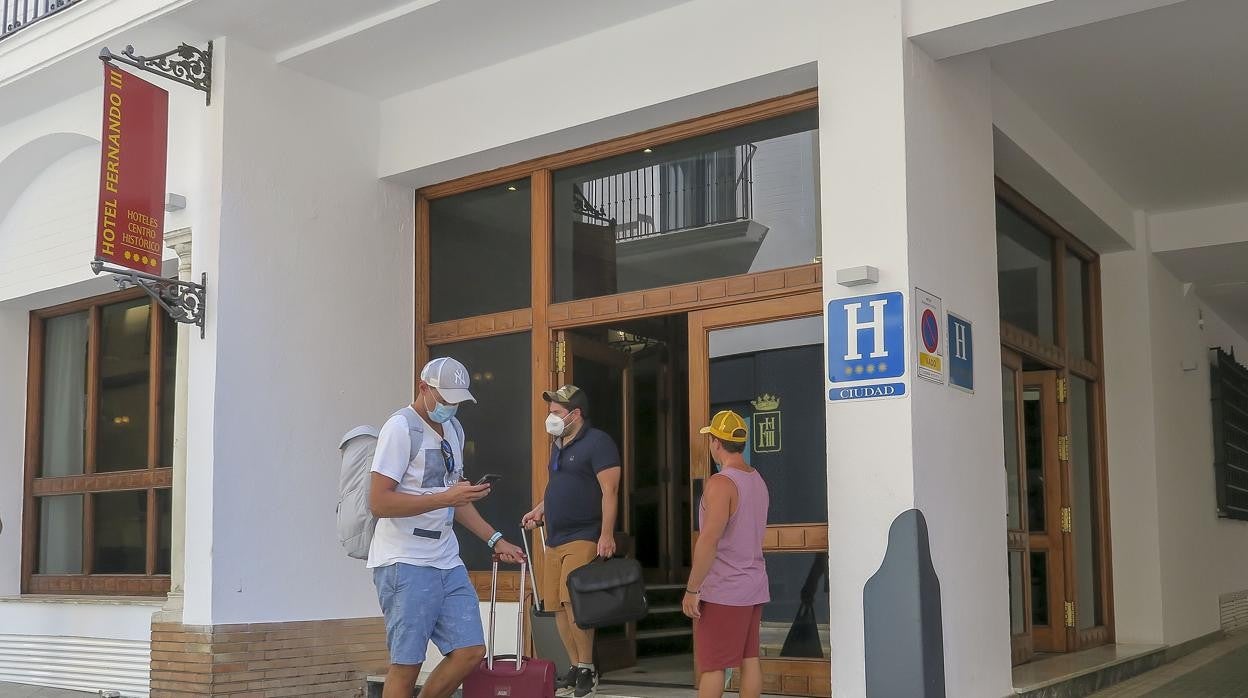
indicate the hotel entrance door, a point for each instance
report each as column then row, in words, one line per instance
column 764, row 360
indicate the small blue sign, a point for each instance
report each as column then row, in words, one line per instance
column 858, row 392
column 867, row 338
column 961, row 354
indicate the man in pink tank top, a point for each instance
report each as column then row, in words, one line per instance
column 728, row 581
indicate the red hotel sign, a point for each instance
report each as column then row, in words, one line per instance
column 134, row 146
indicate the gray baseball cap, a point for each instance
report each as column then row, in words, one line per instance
column 450, row 378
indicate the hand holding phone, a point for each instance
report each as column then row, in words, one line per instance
column 489, row 479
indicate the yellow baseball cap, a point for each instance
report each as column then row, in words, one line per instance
column 727, row 425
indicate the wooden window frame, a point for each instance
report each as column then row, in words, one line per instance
column 542, row 318
column 153, row 477
column 1057, row 356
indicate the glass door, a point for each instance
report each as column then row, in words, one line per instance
column 1022, row 648
column 591, row 364
column 764, row 360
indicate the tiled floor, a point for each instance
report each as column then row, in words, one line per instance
column 1217, row 671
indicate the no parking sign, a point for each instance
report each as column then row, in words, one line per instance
column 930, row 342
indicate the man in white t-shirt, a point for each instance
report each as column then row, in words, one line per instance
column 418, row 493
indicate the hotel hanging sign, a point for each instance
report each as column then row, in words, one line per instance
column 134, row 147
column 130, row 233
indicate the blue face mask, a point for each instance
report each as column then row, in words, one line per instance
column 440, row 412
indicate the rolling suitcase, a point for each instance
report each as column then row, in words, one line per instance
column 546, row 641
column 510, row 676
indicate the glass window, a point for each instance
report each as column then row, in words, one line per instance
column 164, row 530
column 482, row 234
column 1084, row 512
column 772, row 373
column 1024, row 274
column 168, row 373
column 1040, row 588
column 1018, row 607
column 497, row 430
column 120, row 532
column 64, row 395
column 1076, row 273
column 60, row 534
column 734, row 202
column 1033, row 451
column 796, row 620
column 114, row 337
column 125, row 377
column 1009, row 418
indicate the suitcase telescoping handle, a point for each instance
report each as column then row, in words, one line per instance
column 489, row 652
column 524, row 536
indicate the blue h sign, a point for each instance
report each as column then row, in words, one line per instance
column 866, row 338
column 961, row 354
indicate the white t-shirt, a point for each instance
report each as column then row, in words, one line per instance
column 428, row 539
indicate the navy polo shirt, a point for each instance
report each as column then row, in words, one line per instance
column 573, row 496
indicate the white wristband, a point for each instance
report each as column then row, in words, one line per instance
column 494, row 539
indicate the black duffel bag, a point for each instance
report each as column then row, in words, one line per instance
column 607, row 592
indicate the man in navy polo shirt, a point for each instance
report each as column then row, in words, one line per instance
column 579, row 510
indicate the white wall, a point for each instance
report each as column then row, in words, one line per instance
column 510, row 105
column 310, row 334
column 49, row 173
column 14, row 333
column 49, row 169
column 1173, row 557
column 959, row 482
column 1202, row 556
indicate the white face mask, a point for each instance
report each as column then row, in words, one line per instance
column 555, row 425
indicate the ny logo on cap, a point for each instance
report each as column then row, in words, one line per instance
column 461, row 377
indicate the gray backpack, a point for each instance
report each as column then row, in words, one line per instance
column 355, row 519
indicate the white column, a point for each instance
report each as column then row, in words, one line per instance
column 906, row 173
column 180, row 242
column 1130, row 401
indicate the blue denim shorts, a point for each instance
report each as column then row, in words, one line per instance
column 425, row 603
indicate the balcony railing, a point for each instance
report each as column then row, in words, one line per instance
column 706, row 189
column 16, row 15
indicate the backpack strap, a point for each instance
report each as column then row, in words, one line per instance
column 459, row 430
column 415, row 430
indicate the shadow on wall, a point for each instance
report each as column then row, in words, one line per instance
column 24, row 164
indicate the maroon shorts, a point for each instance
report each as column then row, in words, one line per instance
column 725, row 635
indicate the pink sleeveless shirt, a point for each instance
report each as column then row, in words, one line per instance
column 738, row 576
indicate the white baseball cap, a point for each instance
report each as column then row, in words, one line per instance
column 450, row 378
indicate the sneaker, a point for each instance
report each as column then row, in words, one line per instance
column 565, row 685
column 586, row 683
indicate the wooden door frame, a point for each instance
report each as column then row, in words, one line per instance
column 1069, row 364
column 810, row 677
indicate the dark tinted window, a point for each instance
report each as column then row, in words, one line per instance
column 498, row 430
column 479, row 252
column 1024, row 274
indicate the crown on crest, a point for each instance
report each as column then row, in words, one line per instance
column 766, row 403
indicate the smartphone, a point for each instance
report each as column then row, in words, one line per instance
column 488, row 480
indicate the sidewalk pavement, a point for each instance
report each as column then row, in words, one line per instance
column 19, row 690
column 1217, row 671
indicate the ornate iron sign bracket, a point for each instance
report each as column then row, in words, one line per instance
column 186, row 64
column 183, row 300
